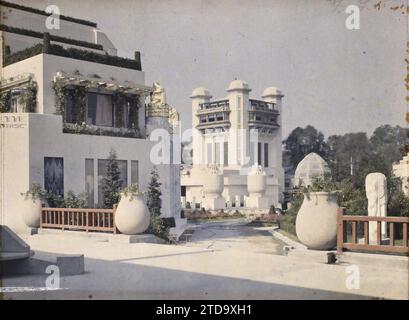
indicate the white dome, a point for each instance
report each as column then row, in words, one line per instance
column 201, row 92
column 238, row 85
column 271, row 91
column 310, row 167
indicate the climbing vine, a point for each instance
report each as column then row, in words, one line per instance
column 27, row 97
column 78, row 94
column 5, row 101
column 130, row 100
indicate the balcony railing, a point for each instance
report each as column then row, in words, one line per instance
column 214, row 106
column 214, row 124
column 263, row 122
column 258, row 105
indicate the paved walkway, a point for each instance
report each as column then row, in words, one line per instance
column 222, row 261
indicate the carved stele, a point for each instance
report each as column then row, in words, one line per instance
column 377, row 195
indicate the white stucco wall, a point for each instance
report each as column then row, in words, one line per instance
column 45, row 66
column 42, row 136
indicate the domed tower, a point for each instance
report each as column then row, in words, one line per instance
column 238, row 95
column 199, row 96
column 274, row 96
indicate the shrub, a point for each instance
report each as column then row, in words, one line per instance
column 72, row 53
column 71, row 200
column 34, row 192
column 40, row 35
column 158, row 226
column 288, row 219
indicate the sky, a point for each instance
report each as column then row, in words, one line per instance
column 337, row 80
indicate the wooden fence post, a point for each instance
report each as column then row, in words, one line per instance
column 340, row 230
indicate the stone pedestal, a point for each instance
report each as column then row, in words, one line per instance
column 257, row 201
column 214, row 203
column 213, row 188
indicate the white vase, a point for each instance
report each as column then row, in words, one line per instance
column 132, row 215
column 213, row 184
column 31, row 212
column 316, row 223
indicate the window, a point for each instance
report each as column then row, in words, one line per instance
column 226, row 153
column 89, row 182
column 211, row 118
column 15, row 105
column 220, row 117
column 54, row 175
column 125, row 114
column 102, row 168
column 70, row 115
column 100, row 109
column 217, row 153
column 209, row 153
column 266, row 155
column 259, row 153
column 203, row 119
column 135, row 172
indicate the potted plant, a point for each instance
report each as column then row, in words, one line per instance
column 132, row 215
column 316, row 222
column 33, row 200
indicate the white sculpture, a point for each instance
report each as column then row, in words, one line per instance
column 158, row 95
column 376, row 192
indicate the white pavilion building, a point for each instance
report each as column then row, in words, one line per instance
column 236, row 144
column 66, row 100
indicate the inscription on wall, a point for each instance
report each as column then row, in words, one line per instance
column 13, row 121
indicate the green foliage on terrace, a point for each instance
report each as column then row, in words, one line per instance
column 78, row 94
column 40, row 35
column 96, row 131
column 22, row 55
column 72, row 53
column 37, row 11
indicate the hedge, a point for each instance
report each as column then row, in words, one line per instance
column 42, row 12
column 72, row 53
column 40, row 35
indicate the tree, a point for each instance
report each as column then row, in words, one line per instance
column 389, row 142
column 111, row 183
column 154, row 203
column 350, row 157
column 302, row 141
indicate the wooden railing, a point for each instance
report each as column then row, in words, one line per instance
column 79, row 219
column 367, row 243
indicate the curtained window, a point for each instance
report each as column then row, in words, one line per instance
column 100, row 109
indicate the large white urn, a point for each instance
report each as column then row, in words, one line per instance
column 213, row 182
column 31, row 211
column 256, row 183
column 316, row 223
column 132, row 215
